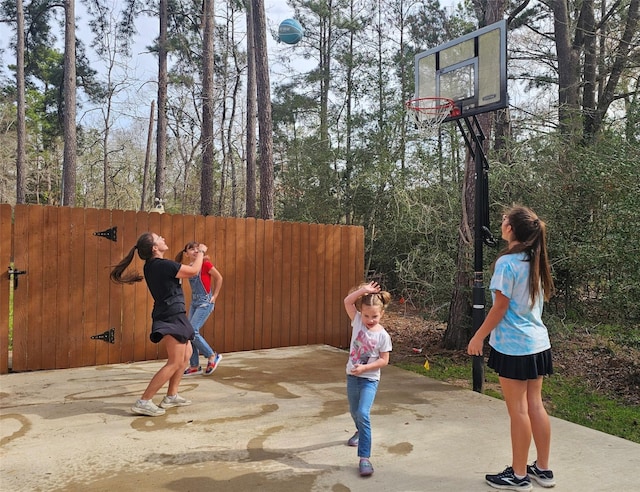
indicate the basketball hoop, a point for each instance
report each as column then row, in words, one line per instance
column 430, row 112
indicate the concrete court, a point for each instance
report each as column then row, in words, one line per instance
column 273, row 420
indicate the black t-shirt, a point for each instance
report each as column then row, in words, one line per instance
column 160, row 275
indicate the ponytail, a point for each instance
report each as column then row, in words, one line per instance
column 144, row 245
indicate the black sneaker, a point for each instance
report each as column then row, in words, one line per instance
column 543, row 477
column 507, row 481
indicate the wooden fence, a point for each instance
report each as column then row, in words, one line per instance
column 283, row 284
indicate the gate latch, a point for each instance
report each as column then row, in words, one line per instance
column 15, row 274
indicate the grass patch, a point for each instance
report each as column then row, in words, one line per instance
column 565, row 398
column 569, row 399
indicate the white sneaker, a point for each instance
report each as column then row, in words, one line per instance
column 147, row 408
column 176, row 401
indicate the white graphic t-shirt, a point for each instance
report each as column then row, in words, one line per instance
column 366, row 346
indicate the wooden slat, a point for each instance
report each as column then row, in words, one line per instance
column 268, row 285
column 304, row 270
column 248, row 256
column 103, row 260
column 90, row 298
column 52, row 295
column 295, row 291
column 125, row 325
column 61, row 248
column 233, row 332
column 276, row 286
column 315, row 272
column 75, row 333
column 6, row 233
column 244, row 334
column 115, row 301
column 37, row 283
column 258, row 297
column 333, row 297
column 21, row 294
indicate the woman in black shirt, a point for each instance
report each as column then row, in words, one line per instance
column 169, row 316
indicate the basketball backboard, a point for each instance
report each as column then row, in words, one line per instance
column 471, row 70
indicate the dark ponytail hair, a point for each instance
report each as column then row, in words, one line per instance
column 144, row 245
column 531, row 233
column 187, row 246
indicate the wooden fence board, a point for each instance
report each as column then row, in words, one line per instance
column 37, row 282
column 295, row 292
column 125, row 327
column 276, row 285
column 268, row 287
column 6, row 234
column 115, row 301
column 304, row 261
column 259, row 285
column 244, row 334
column 76, row 286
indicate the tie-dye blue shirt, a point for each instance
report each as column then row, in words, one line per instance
column 521, row 331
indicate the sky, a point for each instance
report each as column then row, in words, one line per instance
column 276, row 11
column 143, row 63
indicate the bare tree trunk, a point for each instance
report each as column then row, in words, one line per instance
column 147, row 156
column 161, row 138
column 264, row 111
column 568, row 83
column 251, row 116
column 70, row 144
column 208, row 155
column 20, row 100
column 459, row 323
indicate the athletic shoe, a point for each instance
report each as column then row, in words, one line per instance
column 147, row 408
column 174, row 401
column 543, row 477
column 353, row 441
column 192, row 371
column 212, row 366
column 365, row 467
column 507, row 480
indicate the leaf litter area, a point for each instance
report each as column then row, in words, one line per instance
column 606, row 367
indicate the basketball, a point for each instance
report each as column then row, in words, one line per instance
column 290, row 31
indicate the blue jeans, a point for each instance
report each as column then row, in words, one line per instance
column 199, row 311
column 361, row 392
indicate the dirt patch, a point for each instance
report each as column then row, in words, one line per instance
column 604, row 366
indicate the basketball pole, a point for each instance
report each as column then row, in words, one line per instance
column 482, row 234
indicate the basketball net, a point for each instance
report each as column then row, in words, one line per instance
column 430, row 112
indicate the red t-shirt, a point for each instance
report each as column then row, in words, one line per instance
column 204, row 275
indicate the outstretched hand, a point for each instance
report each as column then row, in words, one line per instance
column 371, row 288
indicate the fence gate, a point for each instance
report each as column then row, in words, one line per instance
column 283, row 284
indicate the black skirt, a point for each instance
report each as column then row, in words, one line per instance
column 521, row 367
column 178, row 326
